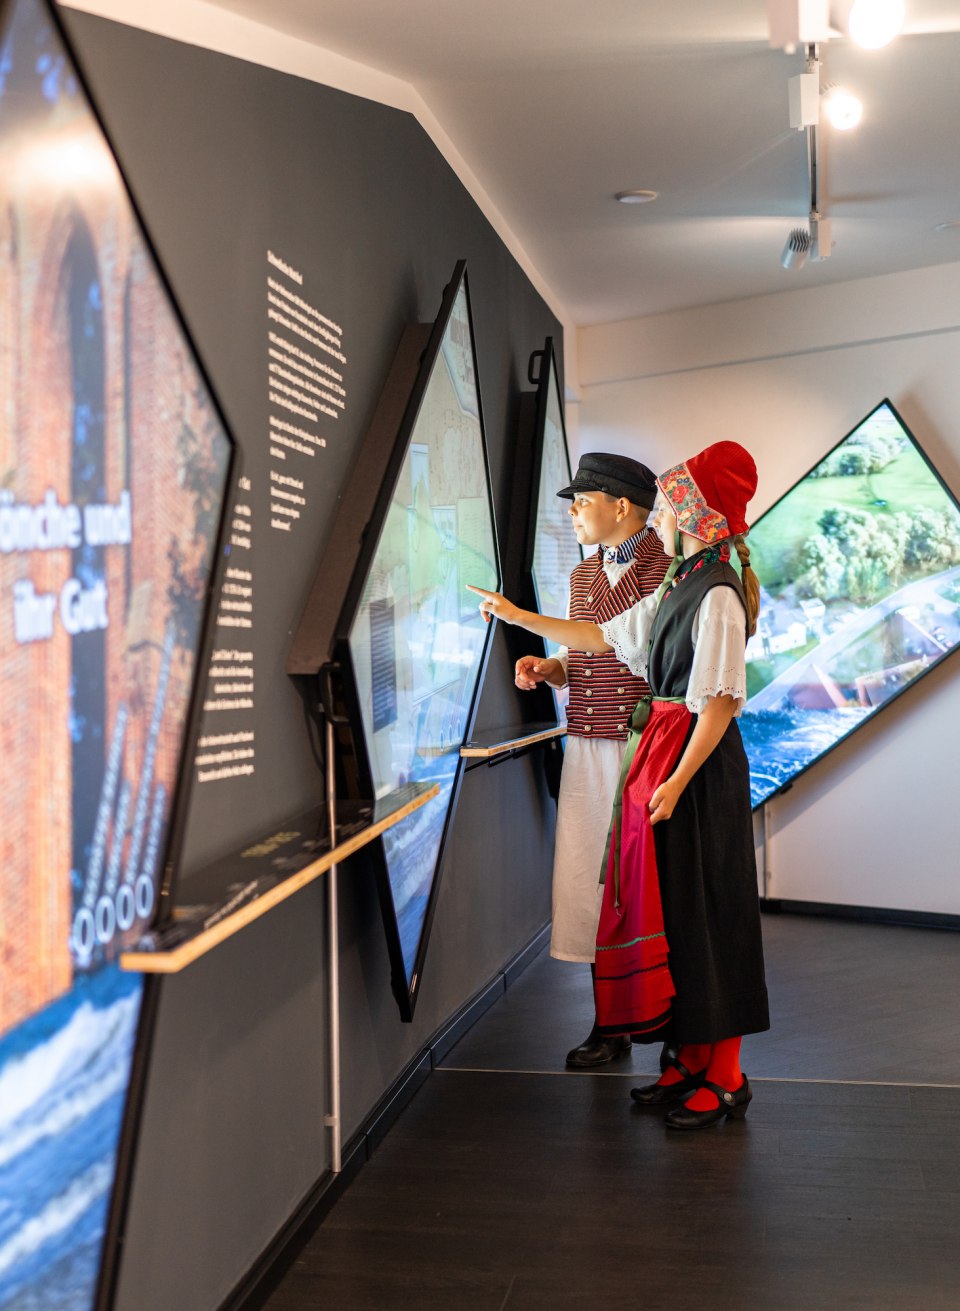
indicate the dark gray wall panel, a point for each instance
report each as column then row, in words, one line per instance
column 228, row 159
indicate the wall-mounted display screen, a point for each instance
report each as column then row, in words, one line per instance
column 556, row 551
column 859, row 566
column 113, row 469
column 415, row 639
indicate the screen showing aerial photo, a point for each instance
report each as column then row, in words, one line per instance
column 859, row 566
column 113, row 466
column 556, row 551
column 418, row 639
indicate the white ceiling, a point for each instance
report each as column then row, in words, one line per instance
column 558, row 104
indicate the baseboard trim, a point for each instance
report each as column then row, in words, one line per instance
column 267, row 1271
column 273, row 1263
column 913, row 919
column 526, row 956
column 447, row 1038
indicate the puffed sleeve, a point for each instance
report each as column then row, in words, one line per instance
column 629, row 634
column 719, row 660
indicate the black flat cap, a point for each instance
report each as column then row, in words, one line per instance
column 617, row 475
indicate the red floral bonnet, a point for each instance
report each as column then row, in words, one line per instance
column 709, row 493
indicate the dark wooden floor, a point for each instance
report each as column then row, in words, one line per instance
column 511, row 1185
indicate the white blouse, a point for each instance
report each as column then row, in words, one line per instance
column 718, row 633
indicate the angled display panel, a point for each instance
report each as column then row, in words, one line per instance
column 859, row 566
column 555, row 551
column 113, row 469
column 413, row 641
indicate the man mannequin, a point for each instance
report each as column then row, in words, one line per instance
column 610, row 497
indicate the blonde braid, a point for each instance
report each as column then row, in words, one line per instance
column 751, row 583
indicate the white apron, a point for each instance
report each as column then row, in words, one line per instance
column 591, row 767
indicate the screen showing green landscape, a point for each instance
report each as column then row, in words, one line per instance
column 859, row 567
column 418, row 641
column 556, row 552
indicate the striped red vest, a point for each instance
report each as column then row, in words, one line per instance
column 603, row 691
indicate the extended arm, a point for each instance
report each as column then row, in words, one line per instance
column 566, row 632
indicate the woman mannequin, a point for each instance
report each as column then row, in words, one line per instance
column 679, row 950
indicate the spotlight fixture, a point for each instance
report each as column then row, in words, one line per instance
column 821, row 244
column 636, row 197
column 842, row 108
column 803, row 99
column 874, row 23
column 796, row 250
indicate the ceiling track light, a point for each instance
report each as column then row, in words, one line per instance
column 820, row 243
column 873, row 24
column 842, row 108
column 811, row 243
column 816, row 243
column 870, row 23
column 796, row 249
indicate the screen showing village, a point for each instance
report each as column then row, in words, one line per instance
column 859, row 565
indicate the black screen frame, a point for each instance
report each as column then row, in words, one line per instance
column 169, row 865
column 934, row 664
column 539, row 705
column 406, row 994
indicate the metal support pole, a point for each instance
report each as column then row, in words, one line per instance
column 332, row 1120
column 813, row 141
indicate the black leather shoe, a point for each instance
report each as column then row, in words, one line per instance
column 597, row 1050
column 668, row 1054
column 665, row 1094
column 733, row 1104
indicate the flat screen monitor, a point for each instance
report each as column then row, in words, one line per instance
column 413, row 641
column 554, row 549
column 113, row 469
column 859, row 567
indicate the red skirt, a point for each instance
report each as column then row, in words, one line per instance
column 632, row 975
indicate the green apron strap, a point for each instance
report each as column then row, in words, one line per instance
column 638, row 719
column 668, row 577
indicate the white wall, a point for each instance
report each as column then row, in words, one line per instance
column 876, row 822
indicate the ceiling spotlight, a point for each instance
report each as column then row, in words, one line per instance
column 874, row 23
column 796, row 250
column 842, row 108
column 636, row 197
column 821, row 245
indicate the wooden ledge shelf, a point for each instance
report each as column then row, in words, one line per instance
column 492, row 742
column 269, row 871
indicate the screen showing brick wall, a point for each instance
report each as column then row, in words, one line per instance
column 113, row 468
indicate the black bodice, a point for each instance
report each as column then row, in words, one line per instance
column 671, row 647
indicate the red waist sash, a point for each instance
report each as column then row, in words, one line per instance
column 633, row 983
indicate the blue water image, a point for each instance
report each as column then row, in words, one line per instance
column 780, row 743
column 63, row 1085
column 411, row 849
